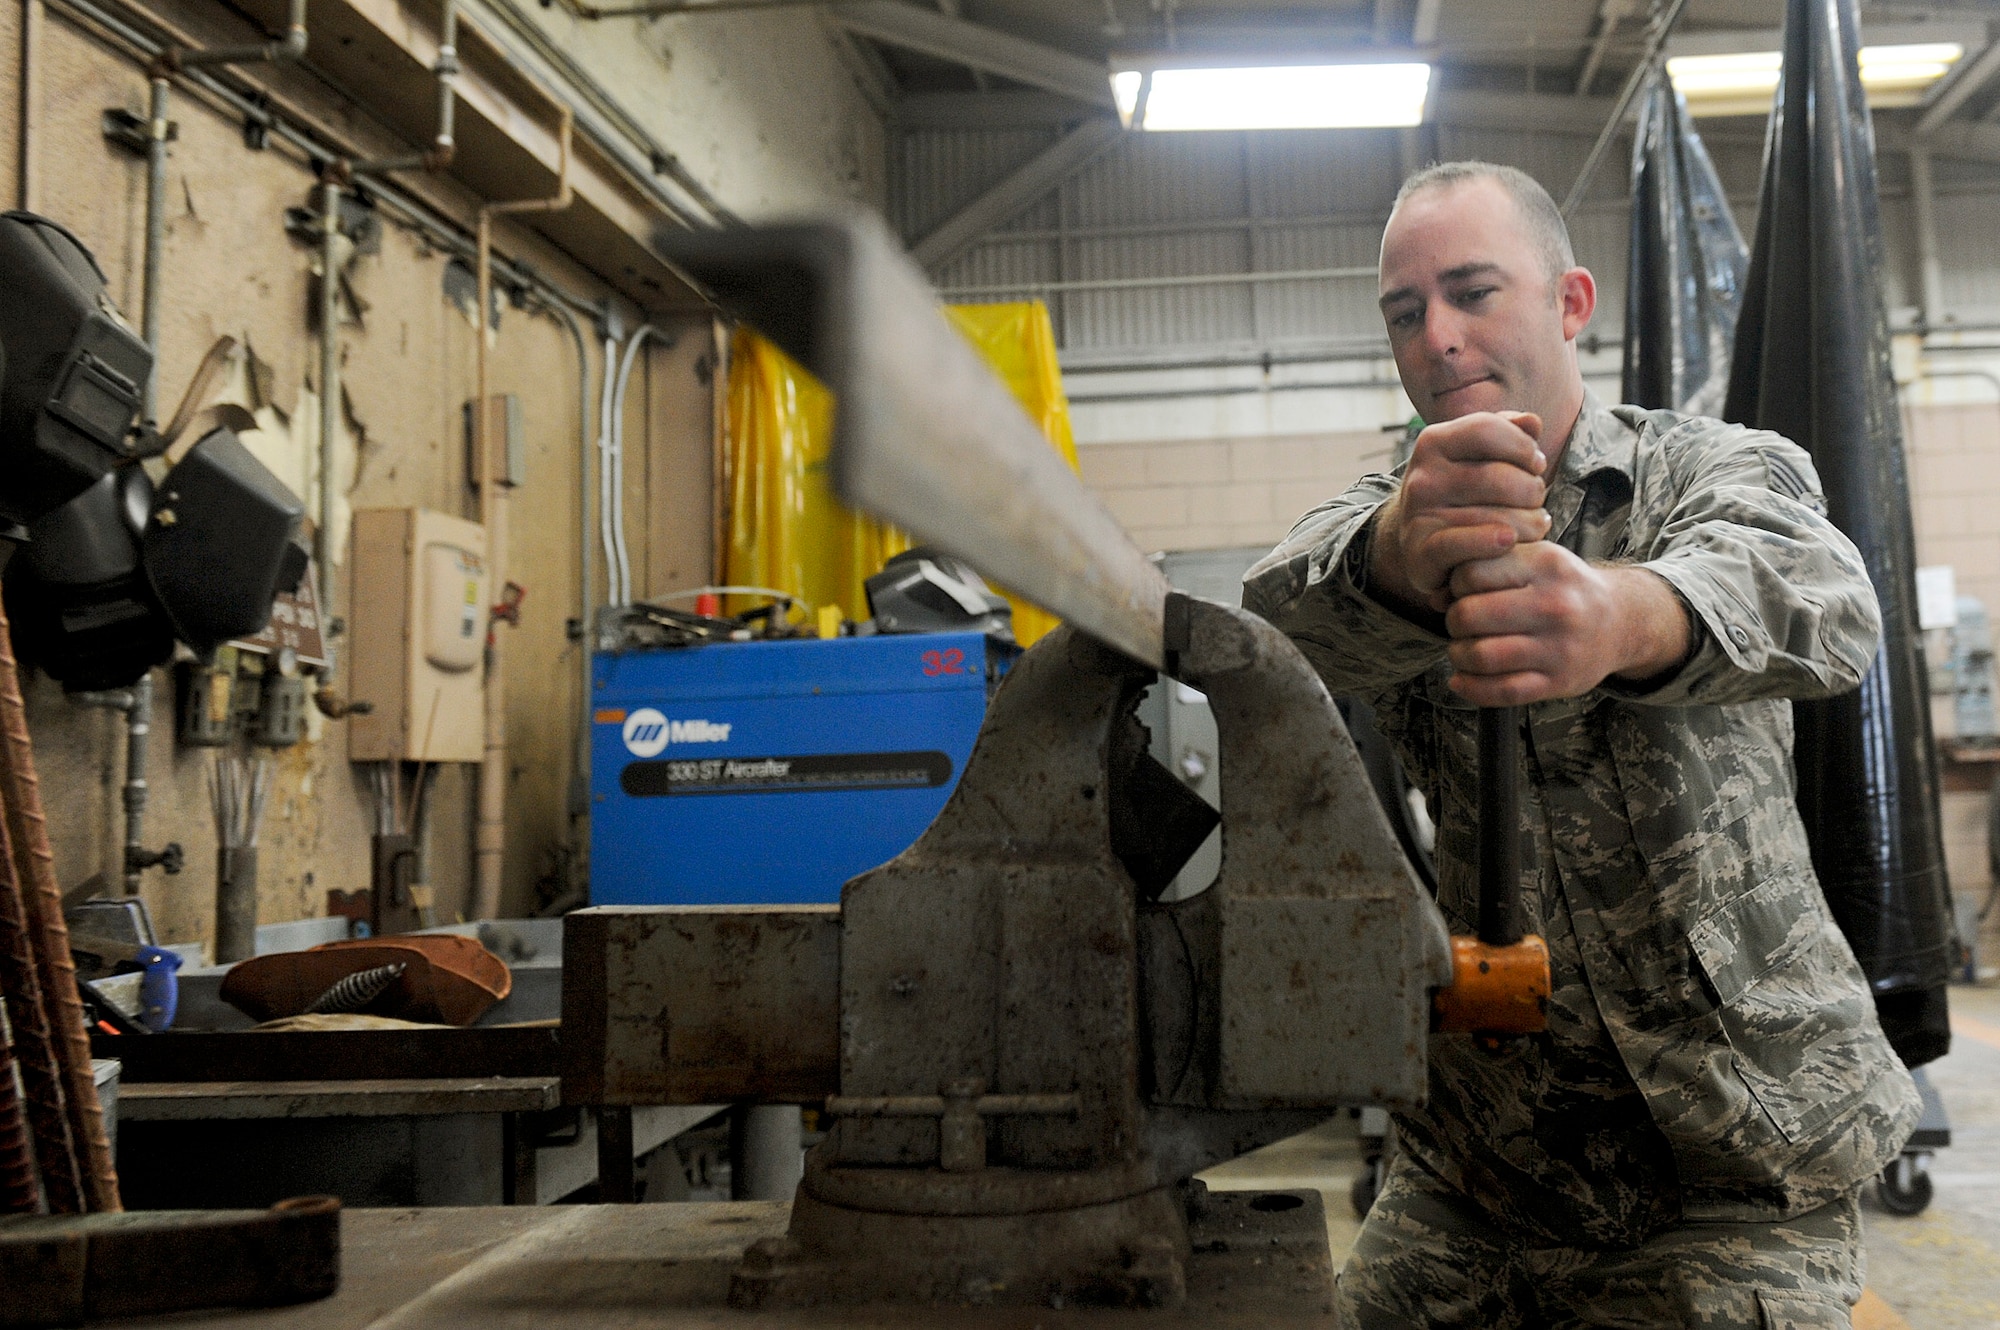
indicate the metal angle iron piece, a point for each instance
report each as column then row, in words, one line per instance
column 925, row 435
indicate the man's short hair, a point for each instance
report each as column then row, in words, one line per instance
column 1538, row 210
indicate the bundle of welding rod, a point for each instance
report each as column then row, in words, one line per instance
column 54, row 1156
column 237, row 787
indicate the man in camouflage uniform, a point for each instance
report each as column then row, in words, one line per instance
column 1685, row 1144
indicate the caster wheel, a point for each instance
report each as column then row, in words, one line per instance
column 1903, row 1191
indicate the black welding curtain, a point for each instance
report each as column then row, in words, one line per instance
column 1684, row 281
column 1812, row 363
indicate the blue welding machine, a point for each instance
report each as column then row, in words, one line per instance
column 772, row 772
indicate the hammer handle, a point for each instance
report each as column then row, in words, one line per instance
column 1499, row 825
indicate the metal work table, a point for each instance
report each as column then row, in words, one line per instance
column 668, row 1266
column 434, row 1141
column 415, row 1116
column 207, row 1101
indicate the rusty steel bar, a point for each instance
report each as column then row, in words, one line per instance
column 27, row 1016
column 35, row 866
column 19, row 1192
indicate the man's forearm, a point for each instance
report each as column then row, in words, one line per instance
column 1651, row 623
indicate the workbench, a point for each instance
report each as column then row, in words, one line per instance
column 429, row 1141
column 1260, row 1263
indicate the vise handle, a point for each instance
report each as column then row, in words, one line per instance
column 1499, row 979
column 961, row 1108
column 1495, row 990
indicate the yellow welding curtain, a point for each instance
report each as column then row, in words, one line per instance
column 786, row 528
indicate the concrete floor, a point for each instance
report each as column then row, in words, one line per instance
column 1939, row 1270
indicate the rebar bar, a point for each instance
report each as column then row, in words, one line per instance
column 35, row 1058
column 237, row 789
column 35, row 867
column 19, row 1192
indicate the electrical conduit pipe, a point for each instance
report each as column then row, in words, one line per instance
column 490, row 836
column 621, row 591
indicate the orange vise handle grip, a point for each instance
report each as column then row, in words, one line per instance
column 1500, row 978
column 1495, row 989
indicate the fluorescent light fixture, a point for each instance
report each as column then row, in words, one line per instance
column 1352, row 96
column 1741, row 83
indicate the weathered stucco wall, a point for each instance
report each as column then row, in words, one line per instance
column 760, row 108
column 408, row 369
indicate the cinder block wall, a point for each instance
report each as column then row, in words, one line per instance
column 1954, row 456
column 1218, row 493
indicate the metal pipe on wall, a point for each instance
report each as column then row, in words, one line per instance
column 33, row 14
column 156, row 233
column 335, row 173
column 290, row 47
column 167, row 62
column 605, row 444
column 489, row 845
column 579, row 785
column 443, row 145
column 440, row 231
column 621, row 588
column 329, row 390
column 136, row 705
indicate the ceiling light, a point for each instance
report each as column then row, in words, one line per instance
column 1741, row 83
column 1350, row 96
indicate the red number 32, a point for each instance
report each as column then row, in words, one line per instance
column 949, row 661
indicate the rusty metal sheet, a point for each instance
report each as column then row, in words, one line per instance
column 701, row 1004
column 68, row 1269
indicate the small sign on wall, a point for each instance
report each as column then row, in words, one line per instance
column 1937, row 597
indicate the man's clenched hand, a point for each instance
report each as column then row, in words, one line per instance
column 1473, row 490
column 1537, row 622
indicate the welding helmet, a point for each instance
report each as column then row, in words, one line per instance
column 72, row 375
column 924, row 590
column 108, row 582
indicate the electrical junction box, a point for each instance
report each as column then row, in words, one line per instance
column 772, row 772
column 418, row 639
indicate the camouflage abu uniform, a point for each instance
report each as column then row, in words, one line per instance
column 1713, row 1063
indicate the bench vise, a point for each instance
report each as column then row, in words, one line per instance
column 1025, row 1052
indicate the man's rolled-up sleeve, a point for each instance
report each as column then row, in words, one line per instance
column 1780, row 599
column 1312, row 588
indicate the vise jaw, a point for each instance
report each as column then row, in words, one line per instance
column 1025, row 1056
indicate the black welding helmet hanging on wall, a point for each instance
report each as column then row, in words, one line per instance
column 79, row 601
column 74, row 374
column 924, row 590
column 108, row 582
column 221, row 542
